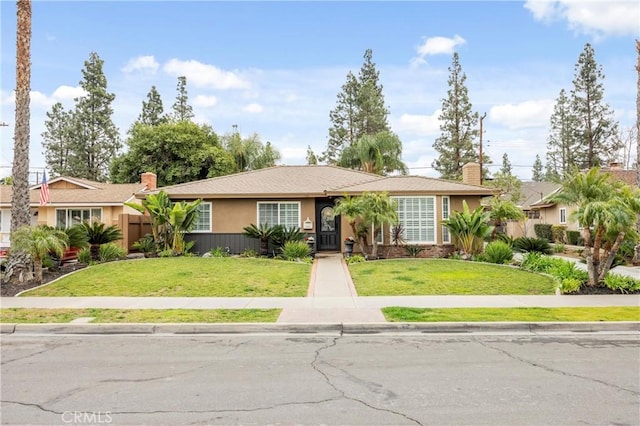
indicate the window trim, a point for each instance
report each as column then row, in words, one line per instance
column 434, row 222
column 445, row 231
column 68, row 209
column 380, row 235
column 210, row 230
column 562, row 215
column 298, row 203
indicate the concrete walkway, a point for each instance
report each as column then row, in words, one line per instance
column 331, row 298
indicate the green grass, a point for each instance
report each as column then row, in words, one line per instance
column 24, row 315
column 396, row 314
column 186, row 276
column 415, row 277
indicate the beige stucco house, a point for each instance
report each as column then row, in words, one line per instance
column 305, row 196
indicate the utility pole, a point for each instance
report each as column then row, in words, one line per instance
column 481, row 172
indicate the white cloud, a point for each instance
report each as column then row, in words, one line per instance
column 205, row 101
column 523, row 115
column 253, row 108
column 421, row 125
column 436, row 46
column 63, row 94
column 596, row 17
column 143, row 64
column 203, row 75
column 68, row 93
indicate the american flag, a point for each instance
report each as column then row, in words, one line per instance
column 44, row 191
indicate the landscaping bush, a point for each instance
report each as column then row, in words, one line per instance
column 558, row 233
column 110, row 252
column 295, row 250
column 571, row 278
column 543, row 230
column 84, row 256
column 558, row 248
column 573, row 238
column 570, row 285
column 621, row 283
column 505, row 239
column 529, row 244
column 146, row 245
column 249, row 253
column 356, row 258
column 563, row 269
column 413, row 251
column 283, row 235
column 219, row 252
column 498, row 252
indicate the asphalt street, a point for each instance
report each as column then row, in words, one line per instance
column 527, row 379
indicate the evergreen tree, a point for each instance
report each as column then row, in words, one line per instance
column 458, row 126
column 537, row 175
column 562, row 142
column 56, row 138
column 182, row 111
column 506, row 165
column 152, row 110
column 94, row 138
column 312, row 160
column 595, row 125
column 360, row 110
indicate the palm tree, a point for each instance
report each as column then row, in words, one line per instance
column 37, row 242
column 502, row 210
column 351, row 208
column 379, row 154
column 98, row 234
column 264, row 233
column 605, row 210
column 19, row 265
column 469, row 229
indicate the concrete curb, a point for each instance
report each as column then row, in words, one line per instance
column 321, row 328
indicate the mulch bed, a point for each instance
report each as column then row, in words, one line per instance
column 9, row 290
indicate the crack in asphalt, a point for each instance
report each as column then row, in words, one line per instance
column 554, row 370
column 48, row 347
column 33, row 405
column 327, row 379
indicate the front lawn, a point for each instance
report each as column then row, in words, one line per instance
column 617, row 313
column 186, row 277
column 42, row 316
column 415, row 277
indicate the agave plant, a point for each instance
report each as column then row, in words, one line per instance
column 469, row 229
column 97, row 234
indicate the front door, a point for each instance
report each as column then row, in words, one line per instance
column 327, row 226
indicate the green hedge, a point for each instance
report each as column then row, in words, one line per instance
column 543, row 230
column 558, row 233
column 574, row 238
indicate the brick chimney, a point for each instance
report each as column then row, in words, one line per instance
column 471, row 174
column 150, row 180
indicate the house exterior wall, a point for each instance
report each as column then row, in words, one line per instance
column 47, row 214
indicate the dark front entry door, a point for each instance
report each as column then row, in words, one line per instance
column 327, row 226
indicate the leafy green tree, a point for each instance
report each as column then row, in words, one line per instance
column 469, row 229
column 360, row 110
column 182, row 111
column 176, row 152
column 537, row 175
column 312, row 160
column 503, row 210
column 595, row 124
column 19, row 263
column 56, row 140
column 606, row 210
column 562, row 142
column 250, row 153
column 379, row 154
column 509, row 185
column 38, row 242
column 95, row 141
column 456, row 144
column 152, row 110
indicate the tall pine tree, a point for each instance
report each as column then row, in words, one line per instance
column 562, row 143
column 56, row 138
column 182, row 111
column 152, row 109
column 537, row 175
column 506, row 165
column 595, row 125
column 360, row 110
column 456, row 144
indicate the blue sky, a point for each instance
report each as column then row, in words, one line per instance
column 275, row 68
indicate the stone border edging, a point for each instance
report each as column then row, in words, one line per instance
column 317, row 328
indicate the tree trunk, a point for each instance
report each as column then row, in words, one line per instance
column 636, row 256
column 264, row 246
column 19, row 264
column 606, row 266
column 38, row 270
column 94, row 250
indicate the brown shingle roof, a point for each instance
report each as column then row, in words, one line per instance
column 623, row 175
column 536, row 192
column 312, row 181
column 106, row 194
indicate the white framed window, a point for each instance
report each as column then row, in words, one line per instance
column 446, row 203
column 418, row 216
column 204, row 222
column 380, row 239
column 66, row 218
column 563, row 215
column 285, row 213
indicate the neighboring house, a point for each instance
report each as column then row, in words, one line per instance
column 74, row 201
column 304, row 197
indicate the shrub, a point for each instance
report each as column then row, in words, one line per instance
column 570, row 285
column 505, row 239
column 621, row 283
column 110, row 252
column 573, row 238
column 558, row 233
column 283, row 235
column 356, row 258
column 295, row 250
column 498, row 252
column 146, row 245
column 84, row 256
column 564, row 269
column 397, row 235
column 543, row 230
column 529, row 244
column 558, row 248
column 413, row 251
column 249, row 253
column 536, row 262
column 220, row 252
